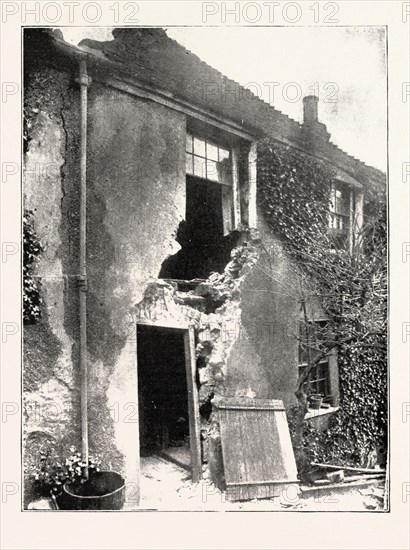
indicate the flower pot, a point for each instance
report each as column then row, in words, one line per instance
column 315, row 401
column 102, row 491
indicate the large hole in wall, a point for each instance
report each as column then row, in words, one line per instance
column 204, row 248
column 162, row 393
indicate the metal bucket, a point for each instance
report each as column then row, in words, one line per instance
column 103, row 491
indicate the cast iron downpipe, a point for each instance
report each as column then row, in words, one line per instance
column 84, row 82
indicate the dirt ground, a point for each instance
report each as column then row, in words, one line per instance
column 165, row 486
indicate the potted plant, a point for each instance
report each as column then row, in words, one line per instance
column 74, row 487
column 315, row 400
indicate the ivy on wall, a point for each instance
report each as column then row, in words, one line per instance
column 31, row 286
column 294, row 193
column 44, row 91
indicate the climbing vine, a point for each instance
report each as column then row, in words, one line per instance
column 294, row 193
column 31, row 287
column 44, row 91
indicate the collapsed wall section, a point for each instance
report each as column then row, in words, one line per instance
column 213, row 309
column 245, row 321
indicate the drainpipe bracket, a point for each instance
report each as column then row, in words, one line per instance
column 82, row 283
column 83, row 80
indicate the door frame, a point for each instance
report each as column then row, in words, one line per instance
column 192, row 391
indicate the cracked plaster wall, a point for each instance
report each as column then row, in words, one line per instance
column 247, row 347
column 135, row 202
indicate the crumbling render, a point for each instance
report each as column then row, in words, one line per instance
column 213, row 308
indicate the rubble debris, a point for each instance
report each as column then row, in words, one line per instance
column 212, row 307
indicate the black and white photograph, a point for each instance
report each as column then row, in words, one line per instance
column 206, row 240
column 205, row 283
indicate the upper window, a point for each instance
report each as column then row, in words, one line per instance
column 339, row 216
column 205, row 159
column 212, row 209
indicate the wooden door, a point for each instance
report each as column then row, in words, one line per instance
column 193, row 405
column 256, row 447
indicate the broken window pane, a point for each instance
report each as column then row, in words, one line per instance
column 223, row 154
column 212, row 170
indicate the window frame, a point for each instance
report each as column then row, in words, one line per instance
column 341, row 212
column 325, row 362
column 315, row 380
column 231, row 187
column 226, row 176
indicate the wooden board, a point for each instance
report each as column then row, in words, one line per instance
column 256, row 448
column 193, row 405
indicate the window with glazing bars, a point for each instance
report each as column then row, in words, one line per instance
column 205, row 159
column 319, row 376
column 339, row 215
column 340, row 209
column 319, row 382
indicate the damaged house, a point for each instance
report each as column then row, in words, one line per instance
column 158, row 284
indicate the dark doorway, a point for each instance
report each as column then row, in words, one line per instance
column 204, row 248
column 168, row 396
column 162, row 389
